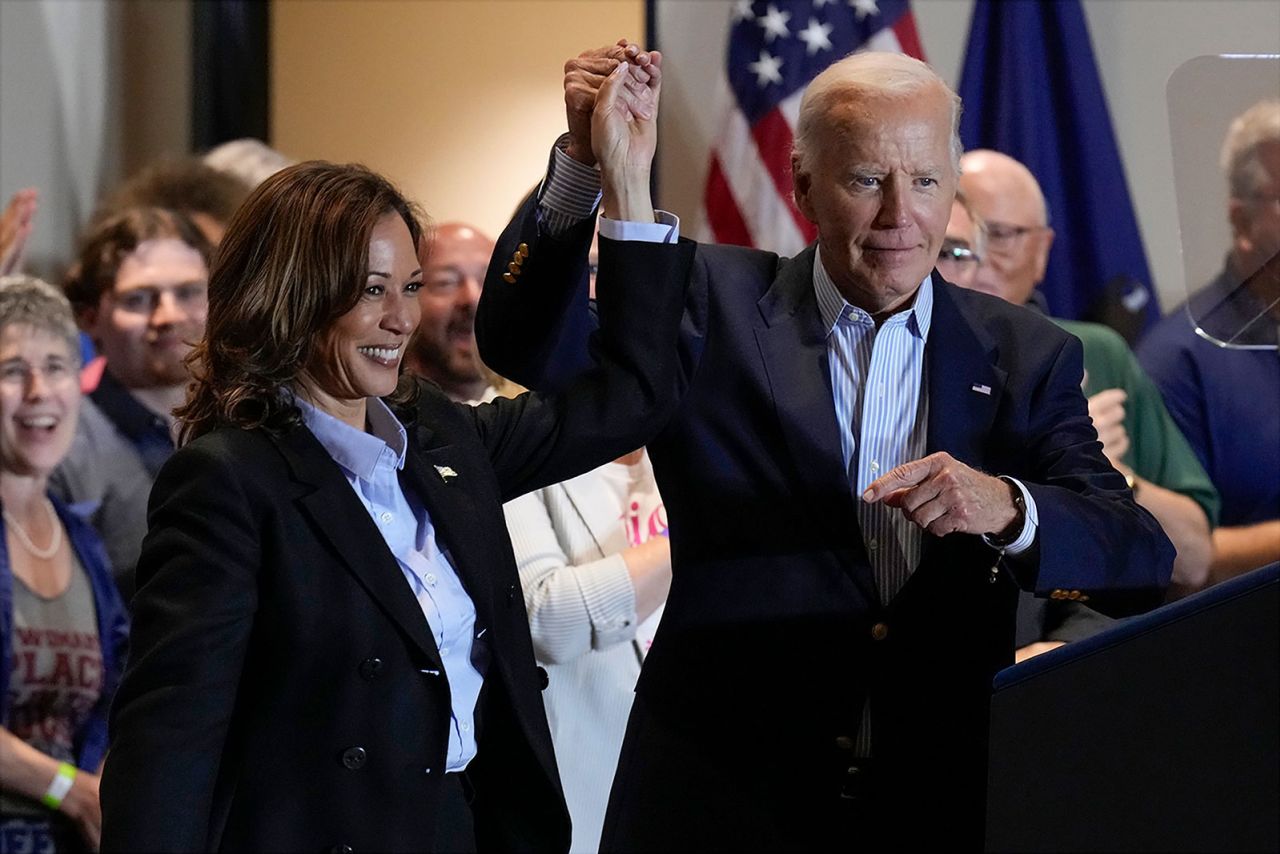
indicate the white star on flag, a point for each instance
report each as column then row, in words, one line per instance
column 742, row 11
column 815, row 36
column 766, row 69
column 865, row 8
column 774, row 23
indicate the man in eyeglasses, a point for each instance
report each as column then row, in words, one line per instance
column 444, row 348
column 1006, row 220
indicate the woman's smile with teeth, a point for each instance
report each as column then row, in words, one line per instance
column 38, row 422
column 385, row 355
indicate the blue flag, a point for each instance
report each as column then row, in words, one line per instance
column 1031, row 90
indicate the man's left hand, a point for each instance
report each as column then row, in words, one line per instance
column 944, row 496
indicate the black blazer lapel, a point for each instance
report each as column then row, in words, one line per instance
column 793, row 347
column 441, row 478
column 343, row 522
column 965, row 386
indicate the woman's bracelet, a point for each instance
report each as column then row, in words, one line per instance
column 60, row 786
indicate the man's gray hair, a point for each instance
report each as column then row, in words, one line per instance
column 28, row 301
column 893, row 75
column 1252, row 129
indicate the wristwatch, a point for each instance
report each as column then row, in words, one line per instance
column 1010, row 534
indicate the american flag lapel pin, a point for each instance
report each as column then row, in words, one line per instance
column 978, row 387
column 445, row 473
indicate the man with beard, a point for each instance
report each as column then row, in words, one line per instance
column 444, row 348
column 139, row 291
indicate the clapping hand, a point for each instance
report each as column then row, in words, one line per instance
column 15, row 228
column 1106, row 408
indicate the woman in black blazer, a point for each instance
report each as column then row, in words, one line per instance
column 330, row 649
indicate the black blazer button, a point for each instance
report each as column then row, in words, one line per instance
column 543, row 679
column 353, row 758
column 370, row 667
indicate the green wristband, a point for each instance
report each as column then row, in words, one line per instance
column 61, row 784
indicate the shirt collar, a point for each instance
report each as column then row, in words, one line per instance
column 355, row 450
column 130, row 416
column 833, row 307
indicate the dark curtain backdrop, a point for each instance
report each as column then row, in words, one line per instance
column 231, row 79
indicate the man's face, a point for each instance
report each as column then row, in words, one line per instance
column 1255, row 221
column 148, row 321
column 879, row 185
column 1017, row 239
column 453, row 269
column 958, row 261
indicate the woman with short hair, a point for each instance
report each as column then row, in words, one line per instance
column 63, row 627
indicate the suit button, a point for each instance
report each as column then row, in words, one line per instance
column 843, row 742
column 543, row 679
column 879, row 631
column 523, row 250
column 508, row 278
column 370, row 667
column 353, row 758
column 341, row 849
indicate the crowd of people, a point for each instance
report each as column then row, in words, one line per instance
column 326, row 528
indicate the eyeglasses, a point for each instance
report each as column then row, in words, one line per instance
column 1001, row 235
column 19, row 373
column 958, row 254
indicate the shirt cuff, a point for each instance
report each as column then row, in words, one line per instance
column 569, row 193
column 1030, row 524
column 666, row 229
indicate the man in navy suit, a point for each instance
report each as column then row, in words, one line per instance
column 867, row 464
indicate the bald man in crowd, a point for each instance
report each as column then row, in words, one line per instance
column 1138, row 436
column 443, row 350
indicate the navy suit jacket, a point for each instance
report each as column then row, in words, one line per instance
column 773, row 636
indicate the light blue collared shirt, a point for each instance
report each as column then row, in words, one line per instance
column 882, row 406
column 371, row 462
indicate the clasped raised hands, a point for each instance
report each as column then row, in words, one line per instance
column 611, row 103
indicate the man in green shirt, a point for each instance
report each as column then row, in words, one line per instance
column 1001, row 218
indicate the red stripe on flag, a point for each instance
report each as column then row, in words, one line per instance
column 773, row 140
column 722, row 211
column 905, row 29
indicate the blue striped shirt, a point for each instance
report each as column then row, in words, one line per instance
column 876, row 381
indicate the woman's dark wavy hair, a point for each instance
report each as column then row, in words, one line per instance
column 294, row 259
column 110, row 240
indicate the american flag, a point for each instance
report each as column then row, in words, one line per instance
column 775, row 49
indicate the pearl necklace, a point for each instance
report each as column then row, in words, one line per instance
column 55, row 541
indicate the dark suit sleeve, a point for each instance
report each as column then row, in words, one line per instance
column 536, row 329
column 193, row 614
column 1093, row 538
column 621, row 402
